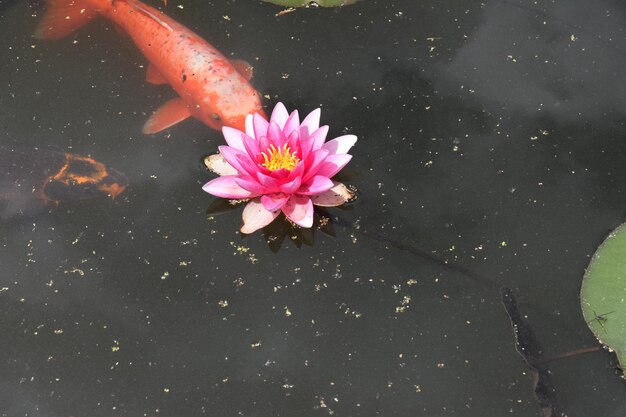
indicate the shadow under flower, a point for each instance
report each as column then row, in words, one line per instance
column 281, row 228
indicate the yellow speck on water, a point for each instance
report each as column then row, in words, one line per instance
column 242, row 250
column 411, row 282
column 223, row 303
column 503, row 244
column 256, row 345
column 58, row 331
column 75, row 271
column 226, row 17
column 115, row 348
column 404, row 304
column 166, row 390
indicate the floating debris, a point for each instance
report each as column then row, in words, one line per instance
column 308, row 3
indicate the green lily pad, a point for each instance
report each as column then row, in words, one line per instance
column 310, row 3
column 603, row 293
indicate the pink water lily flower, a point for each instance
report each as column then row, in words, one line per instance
column 280, row 165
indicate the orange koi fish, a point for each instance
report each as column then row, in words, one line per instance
column 211, row 88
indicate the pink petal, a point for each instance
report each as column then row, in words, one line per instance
column 250, row 167
column 259, row 125
column 314, row 163
column 293, row 141
column 318, row 184
column 333, row 164
column 297, row 171
column 264, row 143
column 270, row 184
column 279, row 115
column 292, row 123
column 275, row 135
column 249, row 126
column 273, row 202
column 249, row 184
column 306, row 143
column 255, row 216
column 340, row 145
column 336, row 196
column 233, row 137
column 226, row 187
column 252, row 147
column 216, row 163
column 291, row 186
column 231, row 156
column 319, row 136
column 312, row 120
column 299, row 209
column 280, row 174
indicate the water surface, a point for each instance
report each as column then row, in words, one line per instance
column 490, row 155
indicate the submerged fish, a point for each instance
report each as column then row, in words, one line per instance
column 32, row 178
column 211, row 88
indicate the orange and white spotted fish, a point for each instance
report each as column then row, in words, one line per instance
column 211, row 88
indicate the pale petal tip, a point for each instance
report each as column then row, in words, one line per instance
column 299, row 209
column 312, row 120
column 249, row 125
column 279, row 114
column 336, row 196
column 256, row 217
column 218, row 165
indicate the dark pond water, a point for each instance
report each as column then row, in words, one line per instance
column 489, row 167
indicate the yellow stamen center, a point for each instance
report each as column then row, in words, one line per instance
column 279, row 158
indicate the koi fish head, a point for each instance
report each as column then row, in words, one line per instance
column 82, row 177
column 231, row 109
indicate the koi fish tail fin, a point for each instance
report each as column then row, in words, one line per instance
column 65, row 16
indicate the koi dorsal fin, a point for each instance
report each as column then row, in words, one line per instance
column 141, row 8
